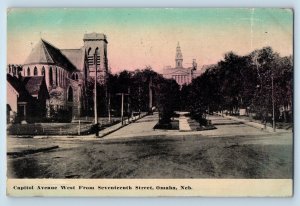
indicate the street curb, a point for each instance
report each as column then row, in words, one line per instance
column 31, row 151
column 112, row 131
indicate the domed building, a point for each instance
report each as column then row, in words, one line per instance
column 179, row 73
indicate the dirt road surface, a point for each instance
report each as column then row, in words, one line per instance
column 233, row 150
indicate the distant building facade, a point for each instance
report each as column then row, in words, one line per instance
column 64, row 71
column 180, row 74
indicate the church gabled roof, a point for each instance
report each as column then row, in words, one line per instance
column 76, row 57
column 45, row 53
column 39, row 54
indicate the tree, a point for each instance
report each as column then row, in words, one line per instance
column 243, row 82
column 265, row 61
column 167, row 92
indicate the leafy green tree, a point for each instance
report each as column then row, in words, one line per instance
column 167, row 93
column 243, row 82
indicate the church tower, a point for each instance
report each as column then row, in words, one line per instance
column 178, row 58
column 96, row 43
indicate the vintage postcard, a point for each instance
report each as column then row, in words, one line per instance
column 150, row 102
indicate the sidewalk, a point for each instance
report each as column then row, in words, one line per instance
column 109, row 130
column 252, row 124
column 141, row 127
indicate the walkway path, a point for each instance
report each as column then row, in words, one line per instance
column 254, row 124
column 229, row 127
column 143, row 127
column 225, row 128
column 183, row 124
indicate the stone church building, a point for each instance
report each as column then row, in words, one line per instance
column 179, row 73
column 66, row 72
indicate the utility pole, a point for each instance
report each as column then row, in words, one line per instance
column 128, row 105
column 95, row 96
column 150, row 95
column 107, row 96
column 273, row 104
column 122, row 109
column 122, row 106
column 139, row 100
column 109, row 117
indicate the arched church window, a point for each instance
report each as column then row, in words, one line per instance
column 62, row 77
column 97, row 56
column 90, row 57
column 50, row 76
column 89, row 51
column 28, row 71
column 43, row 71
column 70, row 94
column 56, row 76
column 35, row 71
column 59, row 77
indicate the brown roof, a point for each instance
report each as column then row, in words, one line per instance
column 18, row 85
column 45, row 53
column 76, row 56
column 33, row 84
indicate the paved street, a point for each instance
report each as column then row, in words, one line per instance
column 233, row 150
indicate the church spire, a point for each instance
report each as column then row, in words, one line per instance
column 178, row 58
